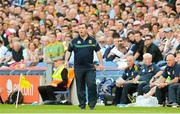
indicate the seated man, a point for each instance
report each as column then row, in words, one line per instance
column 128, row 76
column 169, row 82
column 141, row 82
column 59, row 83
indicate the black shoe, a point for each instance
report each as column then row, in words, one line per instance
column 172, row 105
column 50, row 102
column 91, row 108
column 83, row 107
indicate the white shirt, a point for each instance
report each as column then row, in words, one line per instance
column 3, row 51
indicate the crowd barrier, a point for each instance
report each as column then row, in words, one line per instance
column 9, row 80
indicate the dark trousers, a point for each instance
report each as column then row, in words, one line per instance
column 173, row 93
column 130, row 88
column 161, row 94
column 178, row 95
column 143, row 88
column 47, row 92
column 83, row 78
column 118, row 94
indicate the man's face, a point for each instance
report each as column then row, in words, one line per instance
column 57, row 63
column 119, row 26
column 170, row 60
column 168, row 34
column 52, row 38
column 178, row 6
column 145, row 31
column 109, row 41
column 82, row 30
column 16, row 47
column 148, row 41
column 137, row 37
column 147, row 60
column 130, row 61
column 178, row 57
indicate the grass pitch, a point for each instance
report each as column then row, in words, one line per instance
column 56, row 109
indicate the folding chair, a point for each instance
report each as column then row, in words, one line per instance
column 67, row 93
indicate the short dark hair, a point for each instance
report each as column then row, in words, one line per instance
column 149, row 35
column 115, row 35
column 169, row 54
column 137, row 32
column 83, row 24
column 1, row 42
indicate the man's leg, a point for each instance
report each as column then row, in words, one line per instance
column 146, row 89
column 178, row 94
column 172, row 93
column 47, row 92
column 128, row 88
column 81, row 90
column 161, row 94
column 118, row 94
column 140, row 88
column 42, row 91
column 91, row 85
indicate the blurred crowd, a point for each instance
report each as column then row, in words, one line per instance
column 35, row 31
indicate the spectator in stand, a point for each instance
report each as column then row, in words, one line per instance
column 171, row 43
column 17, row 52
column 150, row 47
column 3, row 54
column 110, row 45
column 139, row 44
column 117, row 50
column 55, row 49
column 32, row 57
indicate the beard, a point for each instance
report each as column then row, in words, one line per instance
column 83, row 34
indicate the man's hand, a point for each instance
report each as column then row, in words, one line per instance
column 135, row 81
column 101, row 67
column 162, row 85
column 120, row 83
column 66, row 64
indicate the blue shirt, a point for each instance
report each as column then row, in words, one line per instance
column 130, row 73
column 147, row 72
column 83, row 52
column 172, row 72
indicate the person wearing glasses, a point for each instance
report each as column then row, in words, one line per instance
column 150, row 47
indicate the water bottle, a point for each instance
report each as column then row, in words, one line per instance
column 34, row 103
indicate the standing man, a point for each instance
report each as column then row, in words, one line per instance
column 84, row 47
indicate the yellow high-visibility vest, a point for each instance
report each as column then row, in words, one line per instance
column 57, row 74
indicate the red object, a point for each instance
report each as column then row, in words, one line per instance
column 10, row 83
